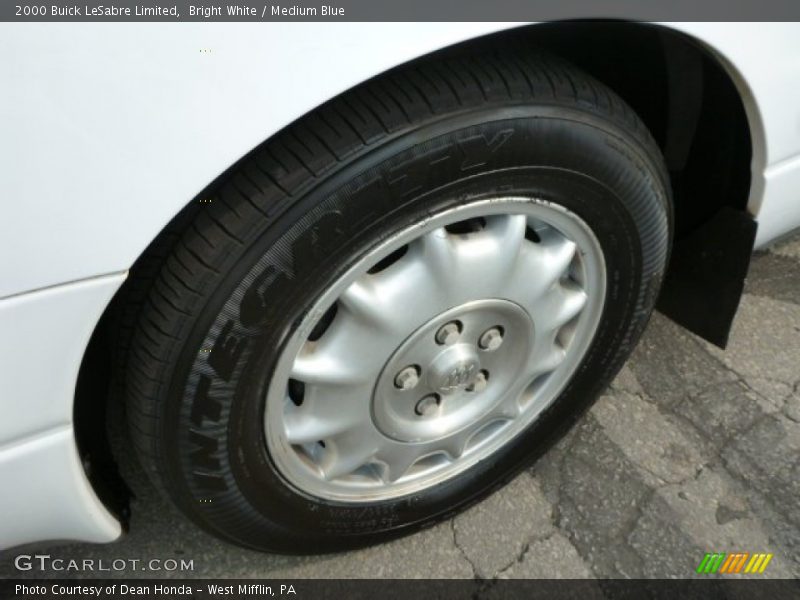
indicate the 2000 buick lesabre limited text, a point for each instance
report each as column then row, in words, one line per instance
column 100, row 10
column 205, row 11
column 336, row 292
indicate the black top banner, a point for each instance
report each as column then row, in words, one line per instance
column 398, row 10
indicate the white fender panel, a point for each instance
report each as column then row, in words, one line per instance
column 44, row 337
column 46, row 495
column 107, row 131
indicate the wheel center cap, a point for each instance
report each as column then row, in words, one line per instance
column 448, row 375
column 454, row 369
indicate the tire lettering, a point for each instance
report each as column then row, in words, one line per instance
column 407, row 178
column 254, row 301
column 226, row 352
column 306, row 249
column 205, row 449
column 204, row 407
column 204, row 458
column 478, row 149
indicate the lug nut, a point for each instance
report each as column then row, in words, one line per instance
column 428, row 405
column 407, row 379
column 491, row 339
column 448, row 334
column 480, row 383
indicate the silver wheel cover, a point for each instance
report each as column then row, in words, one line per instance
column 434, row 362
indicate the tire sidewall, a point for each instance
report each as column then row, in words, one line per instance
column 216, row 452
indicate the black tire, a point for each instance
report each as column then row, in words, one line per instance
column 289, row 219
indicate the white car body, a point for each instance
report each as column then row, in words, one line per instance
column 109, row 130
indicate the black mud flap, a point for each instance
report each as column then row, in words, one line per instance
column 706, row 275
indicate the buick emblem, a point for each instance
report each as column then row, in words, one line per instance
column 459, row 377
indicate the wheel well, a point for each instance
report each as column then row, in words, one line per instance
column 685, row 97
column 680, row 90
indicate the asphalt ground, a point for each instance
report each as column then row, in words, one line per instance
column 690, row 450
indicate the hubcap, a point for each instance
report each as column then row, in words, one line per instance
column 451, row 373
column 437, row 348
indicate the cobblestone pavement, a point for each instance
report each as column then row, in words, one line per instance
column 690, row 450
